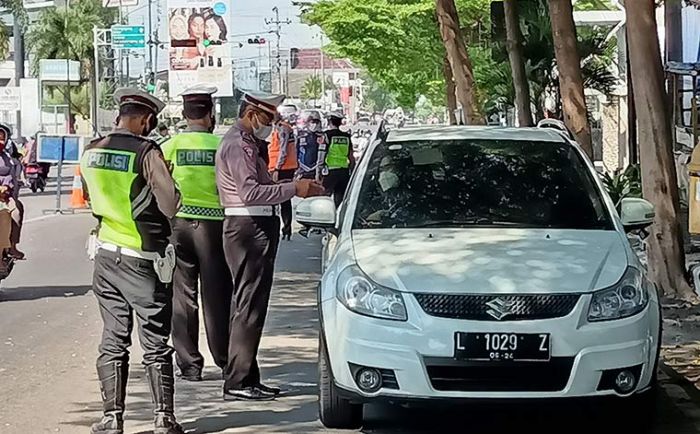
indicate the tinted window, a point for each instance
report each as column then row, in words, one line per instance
column 479, row 183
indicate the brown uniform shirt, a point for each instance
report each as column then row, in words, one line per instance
column 242, row 176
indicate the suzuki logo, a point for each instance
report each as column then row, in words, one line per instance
column 500, row 308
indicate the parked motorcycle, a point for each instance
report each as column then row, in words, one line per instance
column 35, row 176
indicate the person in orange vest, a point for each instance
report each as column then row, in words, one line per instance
column 282, row 154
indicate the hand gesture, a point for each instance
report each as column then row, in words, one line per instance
column 308, row 188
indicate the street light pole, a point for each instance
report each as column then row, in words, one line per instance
column 19, row 65
column 323, row 73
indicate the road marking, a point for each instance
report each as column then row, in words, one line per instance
column 43, row 217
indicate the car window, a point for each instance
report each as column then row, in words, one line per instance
column 483, row 183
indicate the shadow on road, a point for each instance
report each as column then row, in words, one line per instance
column 37, row 292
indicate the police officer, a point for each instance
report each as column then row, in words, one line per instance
column 339, row 158
column 283, row 165
column 309, row 143
column 197, row 232
column 133, row 198
column 251, row 237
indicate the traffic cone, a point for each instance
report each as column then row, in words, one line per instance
column 77, row 200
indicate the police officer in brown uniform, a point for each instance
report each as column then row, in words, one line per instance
column 251, row 236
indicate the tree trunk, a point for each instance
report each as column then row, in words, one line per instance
column 450, row 91
column 459, row 59
column 666, row 254
column 517, row 63
column 569, row 68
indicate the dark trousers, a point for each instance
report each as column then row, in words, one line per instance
column 286, row 207
column 200, row 257
column 125, row 286
column 250, row 244
column 335, row 183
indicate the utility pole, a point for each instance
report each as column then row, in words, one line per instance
column 19, row 65
column 276, row 21
column 151, row 42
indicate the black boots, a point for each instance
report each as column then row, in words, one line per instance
column 162, row 383
column 113, row 378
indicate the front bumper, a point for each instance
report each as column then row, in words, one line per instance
column 421, row 350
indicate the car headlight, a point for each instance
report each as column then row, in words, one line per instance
column 629, row 297
column 365, row 297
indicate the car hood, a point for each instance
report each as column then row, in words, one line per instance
column 491, row 260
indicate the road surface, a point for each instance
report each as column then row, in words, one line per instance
column 50, row 328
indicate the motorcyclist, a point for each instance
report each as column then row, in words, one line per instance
column 310, row 143
column 9, row 160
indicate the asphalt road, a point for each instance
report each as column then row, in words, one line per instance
column 50, row 327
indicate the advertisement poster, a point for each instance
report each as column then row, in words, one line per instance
column 199, row 45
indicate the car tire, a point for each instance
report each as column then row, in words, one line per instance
column 334, row 411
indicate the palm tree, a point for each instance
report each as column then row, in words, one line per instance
column 569, row 70
column 666, row 254
column 459, row 60
column 312, row 89
column 496, row 80
column 18, row 12
column 66, row 33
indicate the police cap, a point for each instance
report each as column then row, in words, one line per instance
column 199, row 93
column 264, row 101
column 130, row 95
column 335, row 115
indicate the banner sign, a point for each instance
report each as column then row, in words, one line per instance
column 10, row 99
column 200, row 51
column 58, row 70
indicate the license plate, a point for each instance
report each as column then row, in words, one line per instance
column 507, row 347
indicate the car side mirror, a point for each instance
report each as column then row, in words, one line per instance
column 636, row 214
column 316, row 213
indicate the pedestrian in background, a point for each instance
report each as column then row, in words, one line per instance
column 251, row 237
column 283, row 164
column 197, row 237
column 309, row 144
column 339, row 158
column 133, row 197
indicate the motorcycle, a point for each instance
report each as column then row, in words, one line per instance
column 34, row 174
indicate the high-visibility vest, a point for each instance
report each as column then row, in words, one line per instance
column 112, row 169
column 193, row 155
column 274, row 150
column 338, row 149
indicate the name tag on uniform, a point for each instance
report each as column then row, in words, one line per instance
column 196, row 157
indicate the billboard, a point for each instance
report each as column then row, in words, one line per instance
column 200, row 51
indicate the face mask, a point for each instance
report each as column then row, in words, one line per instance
column 261, row 132
column 388, row 180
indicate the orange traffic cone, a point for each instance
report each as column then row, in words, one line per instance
column 77, row 200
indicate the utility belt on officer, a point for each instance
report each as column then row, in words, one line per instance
column 253, row 211
column 164, row 265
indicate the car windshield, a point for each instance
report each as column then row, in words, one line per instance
column 482, row 183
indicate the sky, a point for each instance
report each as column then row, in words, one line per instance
column 248, row 17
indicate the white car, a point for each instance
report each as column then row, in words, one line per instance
column 485, row 263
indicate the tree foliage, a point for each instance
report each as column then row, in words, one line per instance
column 66, row 33
column 397, row 42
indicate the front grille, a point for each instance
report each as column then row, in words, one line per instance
column 498, row 307
column 455, row 376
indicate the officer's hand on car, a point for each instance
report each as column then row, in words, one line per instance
column 308, row 188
